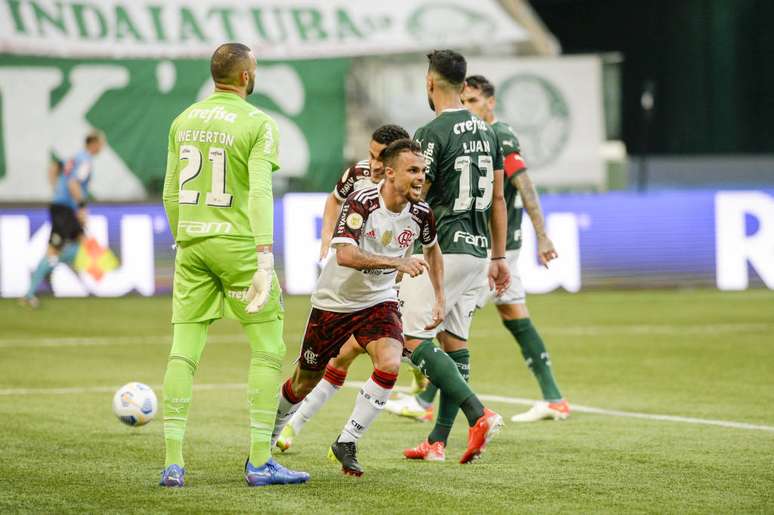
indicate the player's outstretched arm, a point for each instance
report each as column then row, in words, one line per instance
column 330, row 215
column 434, row 259
column 499, row 275
column 531, row 201
column 171, row 193
column 352, row 256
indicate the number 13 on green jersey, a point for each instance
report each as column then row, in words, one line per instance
column 462, row 154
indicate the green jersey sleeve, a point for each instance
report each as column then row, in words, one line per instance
column 267, row 145
column 170, row 195
column 263, row 161
column 498, row 153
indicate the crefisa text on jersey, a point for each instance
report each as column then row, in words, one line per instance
column 473, row 125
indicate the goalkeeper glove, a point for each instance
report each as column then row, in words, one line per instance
column 261, row 285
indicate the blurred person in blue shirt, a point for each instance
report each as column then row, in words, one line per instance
column 68, row 212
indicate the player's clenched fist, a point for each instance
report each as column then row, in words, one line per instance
column 261, row 284
column 412, row 266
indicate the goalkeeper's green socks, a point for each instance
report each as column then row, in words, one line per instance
column 535, row 355
column 188, row 342
column 267, row 348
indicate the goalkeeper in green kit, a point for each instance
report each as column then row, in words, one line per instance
column 218, row 198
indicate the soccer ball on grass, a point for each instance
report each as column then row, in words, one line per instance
column 135, row 404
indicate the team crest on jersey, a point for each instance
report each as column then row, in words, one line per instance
column 310, row 357
column 355, row 221
column 386, row 238
column 405, row 238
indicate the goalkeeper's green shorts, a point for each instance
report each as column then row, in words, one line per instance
column 212, row 276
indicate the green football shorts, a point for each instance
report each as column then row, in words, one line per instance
column 212, row 276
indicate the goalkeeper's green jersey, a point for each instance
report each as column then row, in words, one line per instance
column 220, row 157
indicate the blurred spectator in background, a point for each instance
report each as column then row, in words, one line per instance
column 68, row 211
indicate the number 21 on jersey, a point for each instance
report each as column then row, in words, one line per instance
column 217, row 196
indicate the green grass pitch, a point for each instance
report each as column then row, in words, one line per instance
column 700, row 354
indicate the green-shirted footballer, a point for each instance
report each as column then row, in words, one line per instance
column 218, row 199
column 520, row 194
column 478, row 96
column 465, row 192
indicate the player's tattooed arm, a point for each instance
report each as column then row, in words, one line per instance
column 354, row 257
column 434, row 259
column 531, row 201
column 330, row 215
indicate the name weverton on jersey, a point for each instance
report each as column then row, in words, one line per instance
column 199, row 136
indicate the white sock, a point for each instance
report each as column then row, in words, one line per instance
column 369, row 403
column 312, row 404
column 285, row 410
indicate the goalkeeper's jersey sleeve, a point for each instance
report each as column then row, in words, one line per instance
column 215, row 146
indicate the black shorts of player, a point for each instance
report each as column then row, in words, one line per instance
column 327, row 331
column 65, row 227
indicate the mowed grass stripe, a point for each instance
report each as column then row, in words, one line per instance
column 584, row 330
column 357, row 384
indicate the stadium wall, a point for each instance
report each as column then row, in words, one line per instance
column 671, row 239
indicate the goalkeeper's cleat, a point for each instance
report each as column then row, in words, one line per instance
column 285, row 439
column 418, row 382
column 173, row 476
column 346, row 454
column 427, row 451
column 408, row 406
column 272, row 473
column 543, row 410
column 488, row 425
column 29, row 301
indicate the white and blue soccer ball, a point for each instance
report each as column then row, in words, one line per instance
column 135, row 404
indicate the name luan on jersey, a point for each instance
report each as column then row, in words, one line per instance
column 366, row 222
column 509, row 144
column 354, row 178
column 462, row 152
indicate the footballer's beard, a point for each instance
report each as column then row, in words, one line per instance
column 250, row 86
column 430, row 101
